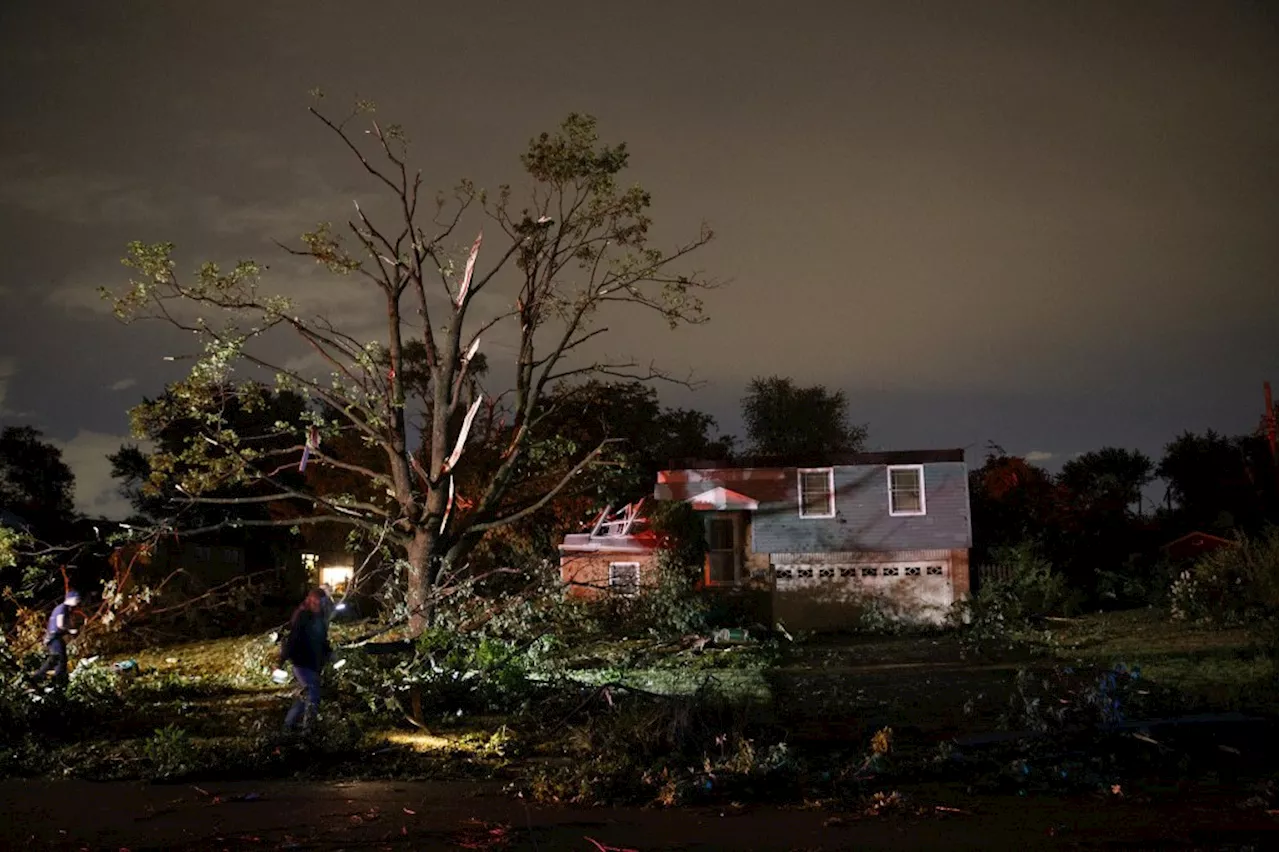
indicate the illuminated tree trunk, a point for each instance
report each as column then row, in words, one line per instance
column 420, row 580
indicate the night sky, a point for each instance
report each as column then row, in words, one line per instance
column 1047, row 224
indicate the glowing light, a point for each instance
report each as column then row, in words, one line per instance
column 420, row 740
column 336, row 576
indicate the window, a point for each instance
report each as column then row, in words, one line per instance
column 906, row 490
column 337, row 577
column 624, row 578
column 722, row 551
column 817, row 492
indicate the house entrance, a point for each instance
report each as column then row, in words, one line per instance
column 724, row 555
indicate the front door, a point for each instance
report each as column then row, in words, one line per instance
column 724, row 555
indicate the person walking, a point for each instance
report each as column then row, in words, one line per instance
column 307, row 649
column 55, row 642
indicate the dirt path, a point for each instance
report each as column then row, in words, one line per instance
column 75, row 815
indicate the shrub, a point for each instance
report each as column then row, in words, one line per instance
column 170, row 752
column 446, row 672
column 1232, row 586
column 16, row 706
column 1022, row 587
column 94, row 685
column 1140, row 581
column 674, row 607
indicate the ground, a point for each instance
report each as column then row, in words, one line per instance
column 441, row 815
column 1168, row 779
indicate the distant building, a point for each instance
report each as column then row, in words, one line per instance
column 818, row 543
column 1194, row 545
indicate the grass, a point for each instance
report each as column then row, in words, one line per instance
column 825, row 696
column 1208, row 669
column 924, row 681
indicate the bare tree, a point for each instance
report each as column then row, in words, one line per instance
column 578, row 243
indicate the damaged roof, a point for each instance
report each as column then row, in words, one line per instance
column 764, row 485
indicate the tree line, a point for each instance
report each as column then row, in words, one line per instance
column 1092, row 520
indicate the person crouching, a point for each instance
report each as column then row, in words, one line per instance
column 307, row 649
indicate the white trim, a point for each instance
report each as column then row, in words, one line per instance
column 613, row 585
column 831, row 491
column 919, row 470
column 722, row 499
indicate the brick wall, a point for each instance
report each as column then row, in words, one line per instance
column 960, row 581
column 588, row 573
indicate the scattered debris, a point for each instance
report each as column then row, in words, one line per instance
column 731, row 636
column 482, row 835
column 948, row 810
column 1146, row 738
column 602, row 848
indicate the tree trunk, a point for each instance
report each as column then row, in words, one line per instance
column 419, row 581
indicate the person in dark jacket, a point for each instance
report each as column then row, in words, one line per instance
column 55, row 639
column 307, row 649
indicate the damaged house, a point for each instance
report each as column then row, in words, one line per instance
column 817, row 542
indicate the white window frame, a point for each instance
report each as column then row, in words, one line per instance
column 919, row 471
column 614, row 587
column 831, row 491
column 738, row 543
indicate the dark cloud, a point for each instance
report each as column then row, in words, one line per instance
column 1049, row 225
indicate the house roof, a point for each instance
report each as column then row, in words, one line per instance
column 833, row 460
column 761, row 485
column 1198, row 538
column 644, row 541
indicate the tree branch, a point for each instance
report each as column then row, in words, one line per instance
column 546, row 498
